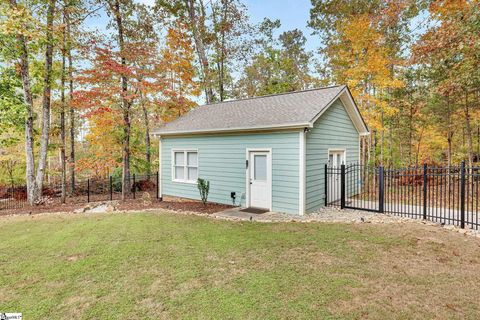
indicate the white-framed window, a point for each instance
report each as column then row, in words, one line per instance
column 185, row 166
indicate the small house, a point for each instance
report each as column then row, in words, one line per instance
column 265, row 152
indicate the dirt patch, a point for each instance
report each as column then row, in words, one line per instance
column 75, row 257
column 418, row 274
column 176, row 204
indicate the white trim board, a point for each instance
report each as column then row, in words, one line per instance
column 344, row 150
column 160, row 173
column 230, row 130
column 302, row 172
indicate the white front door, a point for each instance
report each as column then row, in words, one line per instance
column 335, row 160
column 259, row 179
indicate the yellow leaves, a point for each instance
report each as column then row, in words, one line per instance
column 104, row 148
column 358, row 31
column 431, row 141
column 366, row 54
column 362, row 59
column 17, row 21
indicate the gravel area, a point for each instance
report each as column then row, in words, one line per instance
column 333, row 215
column 353, row 216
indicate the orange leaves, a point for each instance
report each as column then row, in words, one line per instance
column 103, row 140
column 449, row 7
column 364, row 63
column 179, row 74
column 160, row 86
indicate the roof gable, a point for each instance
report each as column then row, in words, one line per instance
column 288, row 110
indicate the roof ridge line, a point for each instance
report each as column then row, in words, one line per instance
column 270, row 95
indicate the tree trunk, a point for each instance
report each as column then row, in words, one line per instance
column 449, row 151
column 478, row 144
column 450, row 133
column 382, row 136
column 363, row 142
column 115, row 7
column 27, row 94
column 148, row 148
column 417, row 157
column 42, row 161
column 468, row 131
column 410, row 135
column 62, row 111
column 221, row 49
column 200, row 48
column 72, row 110
column 369, row 149
column 390, row 145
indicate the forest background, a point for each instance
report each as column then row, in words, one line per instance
column 77, row 101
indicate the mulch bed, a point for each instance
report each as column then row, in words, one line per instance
column 169, row 203
column 175, row 205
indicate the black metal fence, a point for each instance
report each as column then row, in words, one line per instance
column 90, row 190
column 447, row 195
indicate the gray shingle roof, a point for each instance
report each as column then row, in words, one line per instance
column 280, row 110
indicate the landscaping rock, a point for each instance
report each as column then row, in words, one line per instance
column 97, row 207
column 146, row 199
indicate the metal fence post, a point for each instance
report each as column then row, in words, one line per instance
column 134, row 186
column 111, row 189
column 425, row 185
column 326, row 185
column 158, row 185
column 462, row 196
column 342, row 187
column 88, row 190
column 381, row 190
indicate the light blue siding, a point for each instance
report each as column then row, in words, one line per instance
column 221, row 160
column 333, row 130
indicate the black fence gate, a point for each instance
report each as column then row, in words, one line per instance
column 447, row 195
column 354, row 186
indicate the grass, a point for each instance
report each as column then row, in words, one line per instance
column 158, row 265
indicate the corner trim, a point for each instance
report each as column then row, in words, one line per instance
column 160, row 173
column 302, row 172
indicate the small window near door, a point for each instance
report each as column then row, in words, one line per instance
column 185, row 166
column 336, row 158
column 260, row 168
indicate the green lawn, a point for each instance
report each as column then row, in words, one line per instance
column 150, row 265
